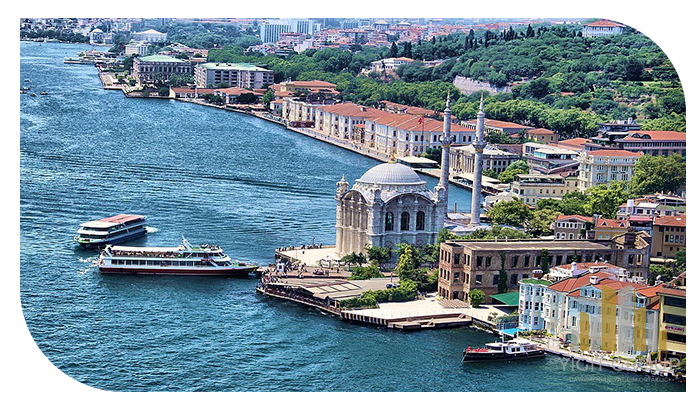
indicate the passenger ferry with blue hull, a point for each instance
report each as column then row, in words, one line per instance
column 185, row 259
column 111, row 230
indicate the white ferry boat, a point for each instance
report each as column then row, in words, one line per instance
column 185, row 259
column 515, row 349
column 111, row 230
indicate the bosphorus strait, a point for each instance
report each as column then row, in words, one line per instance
column 218, row 177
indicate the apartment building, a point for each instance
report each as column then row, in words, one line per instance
column 494, row 159
column 238, row 75
column 541, row 135
column 572, row 227
column 654, row 142
column 549, row 159
column 604, row 166
column 605, row 228
column 531, row 188
column 668, row 236
column 672, row 323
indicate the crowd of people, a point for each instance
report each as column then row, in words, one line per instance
column 300, row 247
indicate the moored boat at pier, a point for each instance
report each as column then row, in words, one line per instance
column 185, row 259
column 515, row 349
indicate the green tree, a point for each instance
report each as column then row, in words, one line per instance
column 408, row 260
column 680, row 260
column 503, row 275
column 354, row 258
column 446, row 235
column 515, row 168
column 476, row 297
column 379, row 254
column 541, row 222
column 393, row 50
column 163, row 91
column 365, row 272
column 544, row 261
column 268, row 97
column 605, row 199
column 655, row 174
column 515, row 213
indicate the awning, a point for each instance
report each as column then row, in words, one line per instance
column 508, row 298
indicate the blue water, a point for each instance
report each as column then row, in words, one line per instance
column 217, row 177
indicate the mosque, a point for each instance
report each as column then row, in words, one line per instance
column 390, row 204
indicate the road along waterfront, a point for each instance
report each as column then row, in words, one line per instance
column 222, row 178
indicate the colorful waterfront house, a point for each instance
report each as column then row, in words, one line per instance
column 672, row 325
column 602, row 312
column 531, row 310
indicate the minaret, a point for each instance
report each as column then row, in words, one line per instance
column 479, row 145
column 446, row 141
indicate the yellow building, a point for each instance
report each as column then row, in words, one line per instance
column 672, row 329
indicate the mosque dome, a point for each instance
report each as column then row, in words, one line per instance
column 391, row 174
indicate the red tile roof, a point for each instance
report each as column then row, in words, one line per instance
column 604, row 23
column 671, row 291
column 608, row 223
column 561, row 217
column 656, row 135
column 614, row 153
column 670, row 221
column 500, row 124
column 540, row 131
column 577, row 142
column 573, row 283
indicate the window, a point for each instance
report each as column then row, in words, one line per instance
column 513, row 279
column 526, row 261
column 405, row 218
column 389, row 221
column 674, row 319
column 478, row 280
column 674, row 301
column 495, row 280
column 679, row 338
column 488, row 261
column 420, row 221
column 479, row 261
column 514, row 261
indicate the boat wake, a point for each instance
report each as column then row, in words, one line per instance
column 151, row 230
column 91, row 262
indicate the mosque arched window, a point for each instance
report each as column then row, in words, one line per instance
column 420, row 221
column 405, row 221
column 389, row 221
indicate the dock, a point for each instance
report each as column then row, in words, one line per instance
column 427, row 312
column 600, row 361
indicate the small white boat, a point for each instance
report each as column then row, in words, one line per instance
column 503, row 350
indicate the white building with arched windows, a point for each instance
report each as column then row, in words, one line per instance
column 387, row 206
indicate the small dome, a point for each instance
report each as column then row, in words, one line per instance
column 391, row 174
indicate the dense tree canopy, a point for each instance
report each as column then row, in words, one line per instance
column 655, row 174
